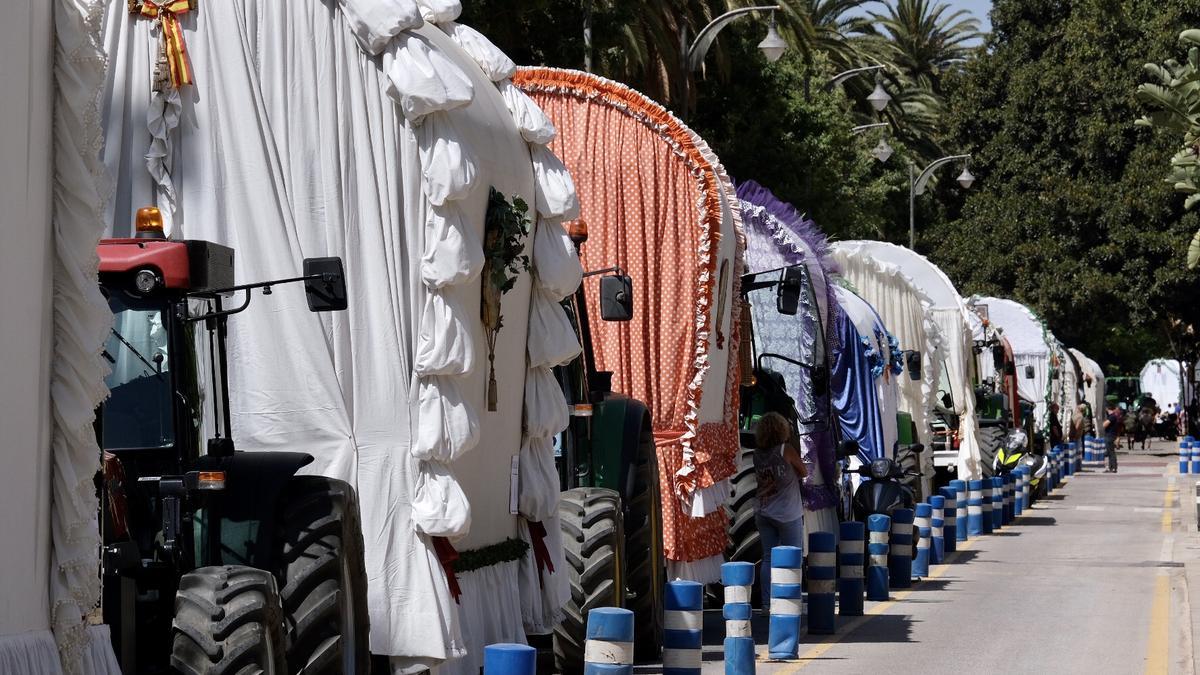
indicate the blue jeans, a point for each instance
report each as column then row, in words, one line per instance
column 773, row 533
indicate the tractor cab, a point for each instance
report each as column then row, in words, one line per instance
column 182, row 513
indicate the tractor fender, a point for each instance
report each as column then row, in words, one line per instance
column 636, row 416
column 248, row 507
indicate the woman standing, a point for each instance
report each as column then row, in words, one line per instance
column 780, row 514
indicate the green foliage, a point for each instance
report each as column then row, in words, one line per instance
column 506, row 227
column 1070, row 214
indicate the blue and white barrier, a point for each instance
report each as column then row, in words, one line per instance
column 985, row 503
column 900, row 549
column 738, row 578
column 950, row 495
column 609, row 646
column 1195, row 457
column 960, row 513
column 1185, row 450
column 997, row 502
column 787, row 602
column 509, row 659
column 683, row 628
column 1069, row 464
column 974, row 508
column 1006, row 511
column 879, row 529
column 1018, row 482
column 937, row 529
column 923, row 514
column 1089, row 450
column 1026, row 478
column 852, row 562
column 822, row 583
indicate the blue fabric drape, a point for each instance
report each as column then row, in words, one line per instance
column 852, row 386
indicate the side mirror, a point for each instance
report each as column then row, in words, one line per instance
column 1010, row 369
column 1029, row 372
column 912, row 360
column 787, row 299
column 998, row 357
column 847, row 449
column 947, row 400
column 917, row 448
column 328, row 292
column 616, row 297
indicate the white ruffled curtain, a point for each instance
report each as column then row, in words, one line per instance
column 959, row 343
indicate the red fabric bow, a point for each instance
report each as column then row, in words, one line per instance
column 447, row 555
column 537, row 533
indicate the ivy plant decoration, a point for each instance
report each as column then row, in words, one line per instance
column 505, row 228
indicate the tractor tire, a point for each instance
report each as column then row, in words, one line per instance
column 228, row 620
column 744, row 543
column 990, row 440
column 645, row 563
column 910, row 463
column 593, row 538
column 323, row 578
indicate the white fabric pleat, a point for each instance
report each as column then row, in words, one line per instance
column 494, row 62
column 453, row 252
column 538, row 497
column 553, row 187
column 32, row 652
column 543, row 597
column 546, row 412
column 552, row 339
column 424, row 80
column 448, row 427
column 440, row 507
column 490, row 607
column 447, row 166
column 557, row 265
column 375, row 22
column 531, row 120
column 440, row 11
column 445, row 345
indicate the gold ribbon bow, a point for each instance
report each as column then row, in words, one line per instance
column 174, row 49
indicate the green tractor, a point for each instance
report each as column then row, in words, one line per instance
column 213, row 561
column 610, row 509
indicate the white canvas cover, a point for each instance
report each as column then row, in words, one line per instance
column 950, row 314
column 1028, row 338
column 352, row 129
column 1093, row 385
column 1161, row 379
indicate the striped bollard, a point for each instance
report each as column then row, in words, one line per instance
column 937, row 530
column 609, row 646
column 851, row 563
column 997, row 502
column 1052, row 471
column 1098, row 451
column 1069, row 464
column 510, row 659
column 1023, row 487
column 900, row 549
column 1018, row 488
column 960, row 512
column 1007, row 510
column 923, row 514
column 975, row 508
column 1196, row 458
column 1087, row 449
column 822, row 583
column 787, row 602
column 738, row 578
column 1078, row 459
column 950, row 495
column 879, row 527
column 683, row 628
column 1185, row 450
column 985, row 502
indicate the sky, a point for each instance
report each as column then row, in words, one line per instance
column 979, row 8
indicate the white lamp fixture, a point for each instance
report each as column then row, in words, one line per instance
column 965, row 179
column 879, row 98
column 882, row 151
column 773, row 45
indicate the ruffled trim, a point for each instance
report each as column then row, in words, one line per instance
column 533, row 123
column 700, row 160
column 422, row 80
column 440, row 11
column 491, row 60
column 81, row 321
column 705, row 570
column 709, row 499
column 375, row 23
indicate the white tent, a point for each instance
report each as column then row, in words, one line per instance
column 375, row 130
column 1031, row 351
column 1093, row 385
column 949, row 313
column 54, row 324
column 1161, row 379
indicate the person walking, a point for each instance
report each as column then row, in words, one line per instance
column 780, row 513
column 1112, row 424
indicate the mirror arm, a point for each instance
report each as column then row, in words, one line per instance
column 327, row 277
column 606, row 270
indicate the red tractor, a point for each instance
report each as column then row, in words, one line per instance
column 214, row 561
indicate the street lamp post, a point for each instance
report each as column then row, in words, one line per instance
column 916, row 186
column 772, row 47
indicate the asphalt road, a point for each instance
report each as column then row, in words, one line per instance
column 1093, row 579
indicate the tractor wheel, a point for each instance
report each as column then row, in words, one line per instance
column 324, row 578
column 910, row 463
column 227, row 620
column 645, row 564
column 990, row 440
column 593, row 538
column 744, row 543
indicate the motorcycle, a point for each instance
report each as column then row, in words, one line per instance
column 1014, row 452
column 888, row 486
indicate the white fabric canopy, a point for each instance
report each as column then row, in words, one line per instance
column 1094, row 390
column 1028, row 340
column 295, row 143
column 949, row 313
column 1161, row 379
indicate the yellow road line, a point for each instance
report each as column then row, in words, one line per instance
column 825, row 645
column 1158, row 644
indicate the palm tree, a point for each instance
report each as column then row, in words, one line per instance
column 924, row 39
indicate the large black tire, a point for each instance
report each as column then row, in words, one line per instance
column 323, row 578
column 593, row 539
column 228, row 620
column 990, row 440
column 744, row 543
column 645, row 563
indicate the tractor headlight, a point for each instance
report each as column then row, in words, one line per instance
column 145, row 281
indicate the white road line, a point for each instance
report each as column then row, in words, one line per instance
column 1147, row 509
column 1087, row 507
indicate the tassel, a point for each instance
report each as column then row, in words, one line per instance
column 492, row 394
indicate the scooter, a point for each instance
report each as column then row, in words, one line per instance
column 885, row 488
column 1014, row 452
